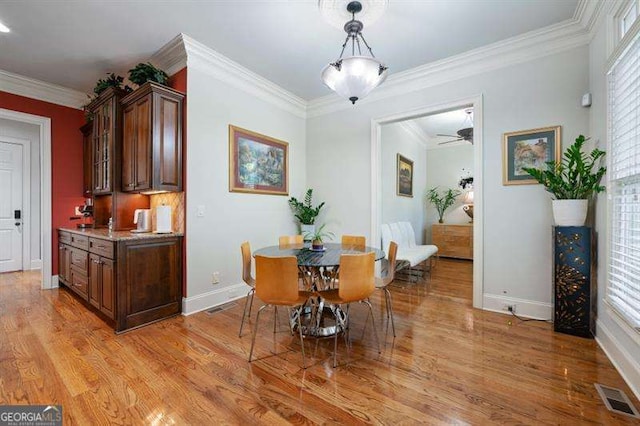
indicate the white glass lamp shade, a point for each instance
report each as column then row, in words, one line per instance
column 357, row 76
column 468, row 198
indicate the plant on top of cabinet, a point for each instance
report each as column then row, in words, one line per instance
column 112, row 80
column 142, row 73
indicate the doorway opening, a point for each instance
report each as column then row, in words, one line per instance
column 41, row 173
column 425, row 124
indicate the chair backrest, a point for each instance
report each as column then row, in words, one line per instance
column 277, row 279
column 356, row 276
column 385, row 234
column 410, row 236
column 397, row 235
column 289, row 240
column 246, row 263
column 354, row 240
column 391, row 255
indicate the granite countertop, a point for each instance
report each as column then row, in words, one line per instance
column 104, row 234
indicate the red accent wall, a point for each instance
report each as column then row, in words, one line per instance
column 178, row 81
column 66, row 158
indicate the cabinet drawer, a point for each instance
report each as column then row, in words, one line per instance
column 101, row 247
column 79, row 260
column 79, row 282
column 438, row 230
column 80, row 241
column 462, row 231
column 64, row 237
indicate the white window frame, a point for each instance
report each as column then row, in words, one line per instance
column 620, row 43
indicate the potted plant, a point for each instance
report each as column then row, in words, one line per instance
column 142, row 73
column 112, row 80
column 572, row 182
column 317, row 237
column 442, row 201
column 305, row 212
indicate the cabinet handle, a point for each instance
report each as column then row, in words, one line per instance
column 129, row 185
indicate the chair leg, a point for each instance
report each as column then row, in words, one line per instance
column 373, row 323
column 335, row 339
column 275, row 318
column 255, row 331
column 244, row 313
column 390, row 310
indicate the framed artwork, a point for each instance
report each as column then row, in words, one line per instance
column 404, row 177
column 528, row 148
column 257, row 163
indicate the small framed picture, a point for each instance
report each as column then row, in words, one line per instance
column 257, row 163
column 529, row 148
column 404, row 184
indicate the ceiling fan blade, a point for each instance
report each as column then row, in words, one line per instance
column 451, row 136
column 454, row 140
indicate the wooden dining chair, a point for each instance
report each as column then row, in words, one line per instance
column 382, row 283
column 245, row 248
column 289, row 240
column 354, row 240
column 277, row 285
column 356, row 285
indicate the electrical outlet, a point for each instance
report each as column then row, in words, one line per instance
column 216, row 278
column 509, row 308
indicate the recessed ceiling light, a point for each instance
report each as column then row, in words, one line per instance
column 4, row 28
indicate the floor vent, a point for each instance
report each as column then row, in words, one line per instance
column 617, row 401
column 221, row 308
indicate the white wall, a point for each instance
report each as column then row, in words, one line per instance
column 517, row 226
column 444, row 170
column 395, row 208
column 32, row 133
column 213, row 241
column 620, row 342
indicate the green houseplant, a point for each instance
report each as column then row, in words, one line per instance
column 317, row 237
column 112, row 80
column 142, row 73
column 442, row 201
column 305, row 212
column 572, row 181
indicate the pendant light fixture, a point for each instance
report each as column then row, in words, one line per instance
column 354, row 76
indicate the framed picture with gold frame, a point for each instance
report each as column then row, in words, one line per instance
column 529, row 148
column 258, row 164
column 404, row 177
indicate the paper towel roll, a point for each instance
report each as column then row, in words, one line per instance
column 163, row 220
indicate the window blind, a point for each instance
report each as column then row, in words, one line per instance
column 623, row 282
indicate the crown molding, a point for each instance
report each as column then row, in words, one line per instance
column 36, row 89
column 539, row 43
column 205, row 59
column 172, row 57
column 415, row 131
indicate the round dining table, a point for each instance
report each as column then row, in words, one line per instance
column 319, row 271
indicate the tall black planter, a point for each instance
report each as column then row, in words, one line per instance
column 574, row 291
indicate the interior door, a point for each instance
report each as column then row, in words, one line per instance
column 10, row 207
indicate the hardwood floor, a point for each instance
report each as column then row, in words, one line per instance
column 448, row 364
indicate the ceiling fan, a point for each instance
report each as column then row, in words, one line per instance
column 464, row 134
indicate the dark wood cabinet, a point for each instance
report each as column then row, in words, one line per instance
column 152, row 139
column 131, row 281
column 87, row 159
column 106, row 134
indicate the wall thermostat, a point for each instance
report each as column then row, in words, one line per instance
column 586, row 100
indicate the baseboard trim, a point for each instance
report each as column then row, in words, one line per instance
column 36, row 264
column 524, row 308
column 619, row 357
column 200, row 302
column 55, row 282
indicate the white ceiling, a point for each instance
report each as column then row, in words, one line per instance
column 73, row 43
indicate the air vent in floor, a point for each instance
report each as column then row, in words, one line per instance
column 220, row 308
column 616, row 401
